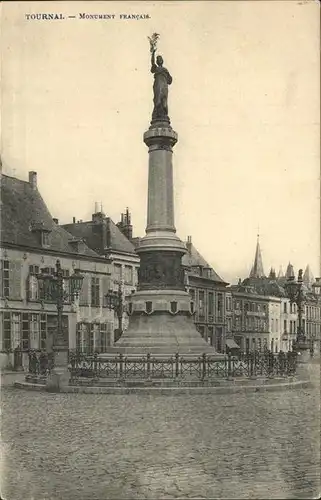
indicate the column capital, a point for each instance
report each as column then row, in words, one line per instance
column 160, row 137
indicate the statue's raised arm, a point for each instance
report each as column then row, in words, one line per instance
column 162, row 79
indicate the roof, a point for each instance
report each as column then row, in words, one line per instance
column 102, row 237
column 22, row 210
column 262, row 286
column 193, row 259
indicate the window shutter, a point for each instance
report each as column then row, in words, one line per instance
column 84, row 293
column 15, row 279
column 1, row 278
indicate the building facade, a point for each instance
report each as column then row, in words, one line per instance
column 264, row 316
column 112, row 242
column 212, row 303
column 31, row 243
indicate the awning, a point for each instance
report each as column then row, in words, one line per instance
column 231, row 344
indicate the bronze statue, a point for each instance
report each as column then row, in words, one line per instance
column 162, row 79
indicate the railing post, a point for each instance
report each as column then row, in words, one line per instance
column 176, row 364
column 95, row 365
column 204, row 365
column 148, row 364
column 229, row 366
column 121, row 361
column 251, row 364
column 271, row 364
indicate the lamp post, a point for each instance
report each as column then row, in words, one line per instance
column 115, row 301
column 53, row 289
column 295, row 292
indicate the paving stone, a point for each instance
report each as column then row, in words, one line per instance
column 101, row 446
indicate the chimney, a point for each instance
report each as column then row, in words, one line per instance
column 33, row 179
column 74, row 220
column 56, row 221
column 97, row 217
column 125, row 225
column 189, row 244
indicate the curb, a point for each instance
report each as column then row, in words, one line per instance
column 300, row 384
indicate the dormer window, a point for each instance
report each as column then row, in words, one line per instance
column 42, row 232
column 77, row 245
column 45, row 239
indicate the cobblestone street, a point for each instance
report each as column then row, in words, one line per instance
column 77, row 446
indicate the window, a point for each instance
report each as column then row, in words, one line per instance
column 15, row 330
column 103, row 337
column 45, row 239
column 201, row 307
column 285, row 307
column 117, row 273
column 6, row 331
column 93, row 337
column 219, row 304
column 6, row 285
column 34, row 331
column 33, row 288
column 210, row 303
column 285, row 325
column 128, row 275
column 259, row 345
column 95, row 302
column 228, row 303
column 276, row 325
column 43, row 331
column 25, row 331
column 272, row 325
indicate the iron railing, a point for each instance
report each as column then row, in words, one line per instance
column 178, row 367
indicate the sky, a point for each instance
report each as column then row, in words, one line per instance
column 76, row 98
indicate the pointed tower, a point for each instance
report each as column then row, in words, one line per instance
column 289, row 271
column 257, row 269
column 308, row 278
column 272, row 275
column 280, row 273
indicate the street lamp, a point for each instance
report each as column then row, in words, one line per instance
column 295, row 292
column 115, row 301
column 53, row 289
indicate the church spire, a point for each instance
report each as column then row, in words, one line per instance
column 257, row 269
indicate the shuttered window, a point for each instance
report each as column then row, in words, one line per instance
column 84, row 293
column 5, row 278
column 6, row 331
column 95, row 292
column 15, row 279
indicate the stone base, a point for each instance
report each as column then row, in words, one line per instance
column 58, row 379
column 160, row 328
column 59, row 376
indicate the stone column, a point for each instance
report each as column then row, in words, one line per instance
column 160, row 315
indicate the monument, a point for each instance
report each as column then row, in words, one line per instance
column 160, row 311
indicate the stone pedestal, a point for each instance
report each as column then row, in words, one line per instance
column 304, row 357
column 59, row 376
column 160, row 314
